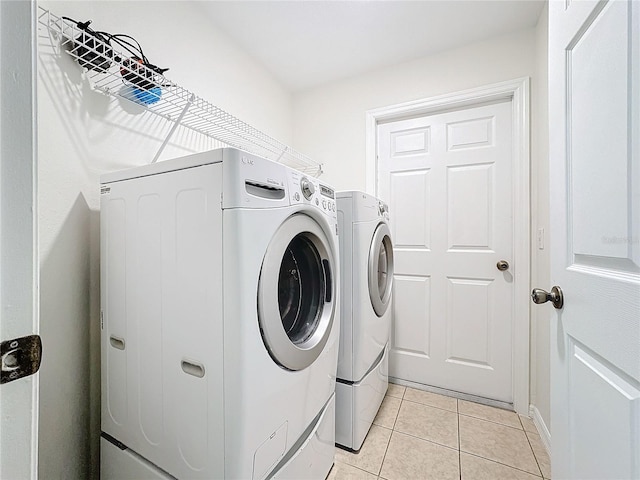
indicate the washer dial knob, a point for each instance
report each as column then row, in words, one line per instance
column 307, row 188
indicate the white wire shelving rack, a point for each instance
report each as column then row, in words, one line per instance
column 104, row 65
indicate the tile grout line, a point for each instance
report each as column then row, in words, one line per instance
column 395, row 420
column 504, row 464
column 356, row 467
column 493, row 421
column 459, row 440
column 432, row 406
column 432, row 441
column 540, row 475
column 392, row 430
column 466, row 414
column 535, row 457
column 421, row 438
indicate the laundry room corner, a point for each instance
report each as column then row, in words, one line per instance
column 82, row 134
column 338, row 110
column 319, row 239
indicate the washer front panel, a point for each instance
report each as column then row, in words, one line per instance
column 296, row 293
column 380, row 271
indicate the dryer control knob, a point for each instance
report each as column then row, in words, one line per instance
column 307, row 188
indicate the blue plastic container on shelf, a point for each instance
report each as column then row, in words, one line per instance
column 147, row 97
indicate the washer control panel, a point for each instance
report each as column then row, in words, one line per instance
column 383, row 210
column 328, row 196
column 311, row 191
column 307, row 188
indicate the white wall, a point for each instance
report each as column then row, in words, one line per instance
column 329, row 121
column 83, row 134
column 330, row 127
column 540, row 272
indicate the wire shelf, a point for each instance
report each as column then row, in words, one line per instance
column 115, row 73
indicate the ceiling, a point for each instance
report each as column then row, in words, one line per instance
column 307, row 43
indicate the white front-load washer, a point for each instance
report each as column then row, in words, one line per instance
column 366, row 258
column 219, row 320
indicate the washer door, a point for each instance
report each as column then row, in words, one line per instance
column 296, row 293
column 381, row 269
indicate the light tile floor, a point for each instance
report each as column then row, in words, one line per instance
column 422, row 435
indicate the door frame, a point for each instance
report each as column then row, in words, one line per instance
column 517, row 91
column 19, row 274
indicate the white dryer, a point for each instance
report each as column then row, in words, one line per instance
column 366, row 259
column 220, row 320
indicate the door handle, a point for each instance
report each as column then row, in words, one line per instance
column 502, row 265
column 556, row 297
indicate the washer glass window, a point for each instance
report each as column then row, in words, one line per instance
column 300, row 289
column 383, row 268
column 296, row 292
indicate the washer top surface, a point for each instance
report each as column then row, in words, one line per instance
column 249, row 181
column 190, row 161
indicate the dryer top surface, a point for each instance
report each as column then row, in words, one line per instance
column 362, row 207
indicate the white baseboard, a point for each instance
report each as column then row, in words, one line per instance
column 543, row 431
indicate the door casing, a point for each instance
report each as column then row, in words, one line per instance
column 517, row 91
column 19, row 272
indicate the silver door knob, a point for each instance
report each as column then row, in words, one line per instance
column 539, row 296
column 502, row 265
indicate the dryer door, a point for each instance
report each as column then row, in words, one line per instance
column 381, row 269
column 296, row 293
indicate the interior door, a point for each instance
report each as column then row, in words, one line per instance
column 594, row 111
column 18, row 279
column 447, row 178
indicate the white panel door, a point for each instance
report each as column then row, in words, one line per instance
column 594, row 111
column 448, row 181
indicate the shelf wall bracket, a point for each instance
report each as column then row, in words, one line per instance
column 174, row 127
column 285, row 150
